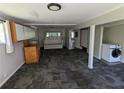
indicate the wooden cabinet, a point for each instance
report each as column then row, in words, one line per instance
column 29, row 33
column 16, row 32
column 20, row 32
column 32, row 54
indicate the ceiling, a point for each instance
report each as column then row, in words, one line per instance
column 70, row 14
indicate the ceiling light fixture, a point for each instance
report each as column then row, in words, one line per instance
column 54, row 6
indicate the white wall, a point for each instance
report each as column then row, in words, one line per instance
column 65, row 34
column 98, row 41
column 115, row 35
column 9, row 63
column 41, row 34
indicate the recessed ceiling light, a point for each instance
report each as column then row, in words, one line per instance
column 54, row 6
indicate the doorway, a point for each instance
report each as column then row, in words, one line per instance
column 84, row 39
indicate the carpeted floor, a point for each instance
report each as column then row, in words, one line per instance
column 66, row 69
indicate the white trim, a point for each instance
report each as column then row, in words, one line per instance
column 97, row 57
column 101, row 39
column 103, row 13
column 10, row 75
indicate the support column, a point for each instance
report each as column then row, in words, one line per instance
column 91, row 46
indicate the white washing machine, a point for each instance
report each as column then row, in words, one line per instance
column 111, row 52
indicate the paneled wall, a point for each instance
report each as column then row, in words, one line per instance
column 9, row 63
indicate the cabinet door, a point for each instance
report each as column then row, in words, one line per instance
column 32, row 33
column 31, row 55
column 19, row 32
column 27, row 33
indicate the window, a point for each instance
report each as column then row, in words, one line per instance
column 2, row 34
column 72, row 34
column 53, row 34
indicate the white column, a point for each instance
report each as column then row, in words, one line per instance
column 91, row 46
column 101, row 39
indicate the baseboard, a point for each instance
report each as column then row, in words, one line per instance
column 10, row 75
column 97, row 57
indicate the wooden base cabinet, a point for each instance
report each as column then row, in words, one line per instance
column 32, row 54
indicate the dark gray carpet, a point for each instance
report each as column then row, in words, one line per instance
column 64, row 69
